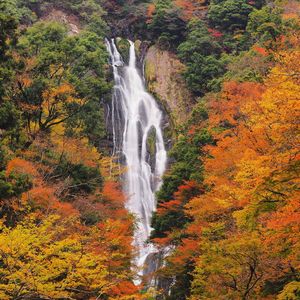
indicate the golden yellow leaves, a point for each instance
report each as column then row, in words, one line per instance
column 42, row 259
column 55, row 100
column 262, row 133
column 76, row 150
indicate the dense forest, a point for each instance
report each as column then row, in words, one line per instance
column 228, row 209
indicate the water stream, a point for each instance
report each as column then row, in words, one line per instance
column 136, row 123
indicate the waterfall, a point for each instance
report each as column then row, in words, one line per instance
column 135, row 118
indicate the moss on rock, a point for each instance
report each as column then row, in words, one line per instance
column 151, row 141
column 123, row 47
column 137, row 46
column 151, row 147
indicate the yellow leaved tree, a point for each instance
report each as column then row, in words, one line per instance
column 43, row 259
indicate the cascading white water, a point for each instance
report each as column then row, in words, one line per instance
column 135, row 115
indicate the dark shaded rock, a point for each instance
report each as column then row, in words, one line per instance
column 153, row 279
column 123, row 47
column 151, row 148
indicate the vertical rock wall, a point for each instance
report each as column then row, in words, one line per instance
column 163, row 75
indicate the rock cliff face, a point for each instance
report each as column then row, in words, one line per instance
column 70, row 20
column 163, row 75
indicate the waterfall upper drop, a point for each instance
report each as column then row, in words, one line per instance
column 135, row 117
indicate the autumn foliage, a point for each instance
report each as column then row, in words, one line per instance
column 228, row 211
column 243, row 240
column 56, row 247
